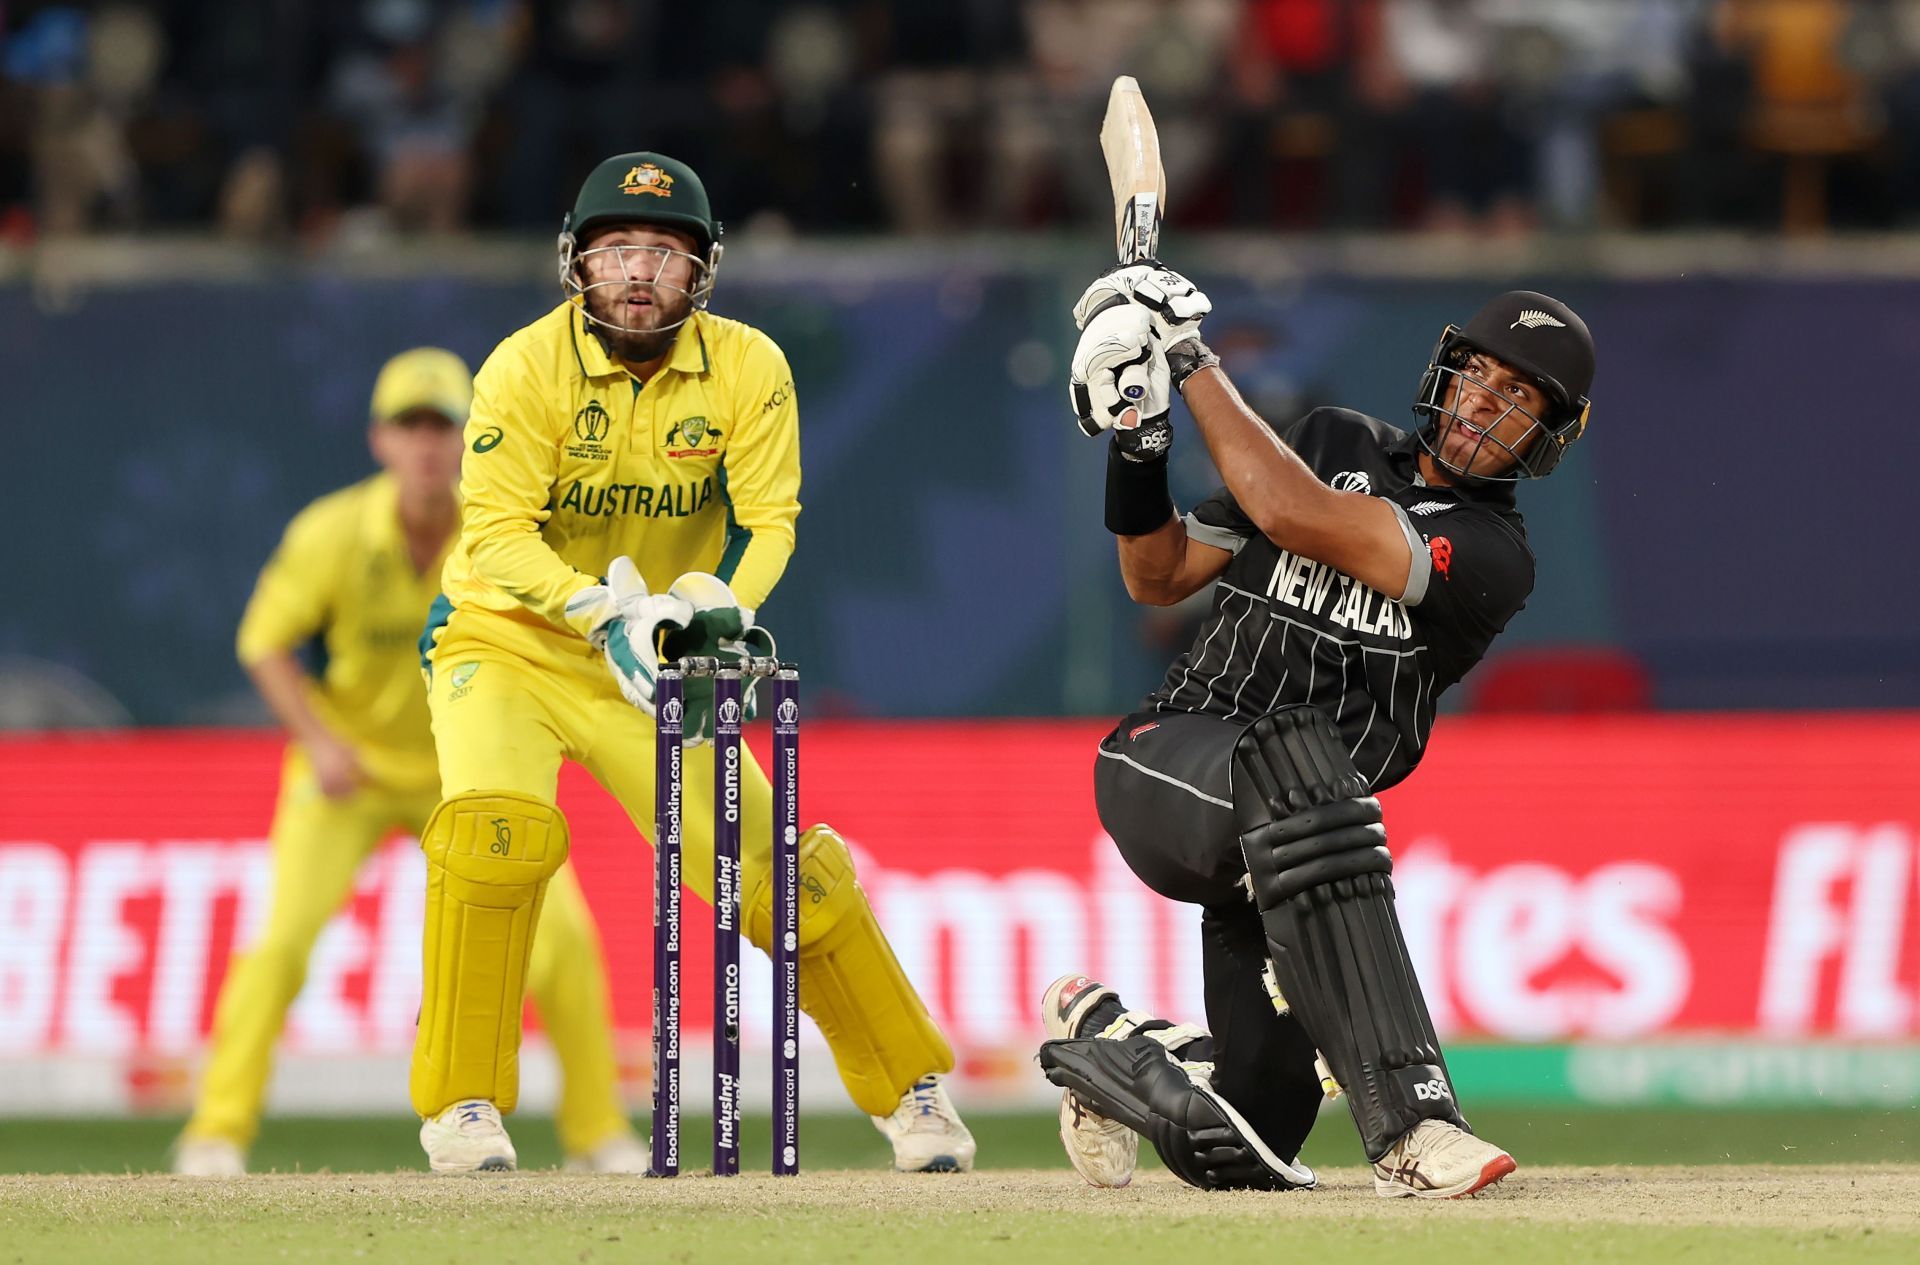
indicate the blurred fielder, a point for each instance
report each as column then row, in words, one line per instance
column 357, row 569
column 1360, row 571
column 632, row 471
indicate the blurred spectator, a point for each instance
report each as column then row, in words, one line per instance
column 1476, row 169
column 410, row 116
column 1899, row 79
column 960, row 124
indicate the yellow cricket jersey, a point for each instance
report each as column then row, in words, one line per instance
column 571, row 462
column 342, row 574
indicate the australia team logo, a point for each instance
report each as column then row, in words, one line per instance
column 647, row 178
column 461, row 680
column 693, row 437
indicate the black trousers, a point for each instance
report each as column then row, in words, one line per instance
column 1162, row 784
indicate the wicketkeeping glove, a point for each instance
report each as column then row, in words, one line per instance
column 1175, row 302
column 1119, row 381
column 721, row 628
column 627, row 623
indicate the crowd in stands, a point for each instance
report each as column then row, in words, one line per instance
column 298, row 120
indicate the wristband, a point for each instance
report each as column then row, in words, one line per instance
column 1187, row 358
column 1138, row 501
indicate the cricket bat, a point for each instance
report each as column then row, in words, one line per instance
column 1132, row 148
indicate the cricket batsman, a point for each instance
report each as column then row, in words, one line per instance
column 356, row 571
column 632, row 462
column 1359, row 571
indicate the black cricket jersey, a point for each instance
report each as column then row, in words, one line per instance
column 1288, row 630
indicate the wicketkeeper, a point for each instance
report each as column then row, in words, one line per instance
column 355, row 573
column 632, row 470
column 1359, row 571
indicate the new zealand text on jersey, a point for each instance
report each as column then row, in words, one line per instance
column 668, row 500
column 1307, row 585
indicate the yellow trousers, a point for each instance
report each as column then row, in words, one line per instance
column 318, row 845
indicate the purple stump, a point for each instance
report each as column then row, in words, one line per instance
column 669, row 707
column 786, row 921
column 726, row 921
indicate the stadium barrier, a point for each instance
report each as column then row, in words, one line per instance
column 1636, row 909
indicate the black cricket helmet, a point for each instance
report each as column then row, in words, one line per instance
column 1536, row 335
column 641, row 188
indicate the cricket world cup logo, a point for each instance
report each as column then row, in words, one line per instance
column 670, row 714
column 730, row 712
column 789, row 712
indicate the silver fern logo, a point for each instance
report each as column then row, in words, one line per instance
column 1429, row 507
column 1533, row 318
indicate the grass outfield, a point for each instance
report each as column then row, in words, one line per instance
column 1756, row 1215
column 1014, row 1141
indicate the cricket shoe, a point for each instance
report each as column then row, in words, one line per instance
column 928, row 1135
column 209, row 1157
column 1439, row 1160
column 468, row 1138
column 621, row 1153
column 1140, row 1082
column 1104, row 1152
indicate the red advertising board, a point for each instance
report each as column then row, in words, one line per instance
column 1558, row 880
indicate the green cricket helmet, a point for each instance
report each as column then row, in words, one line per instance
column 641, row 188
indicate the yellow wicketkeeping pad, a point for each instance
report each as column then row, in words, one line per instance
column 852, row 985
column 489, row 856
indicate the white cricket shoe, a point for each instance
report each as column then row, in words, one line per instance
column 1439, row 1160
column 621, row 1153
column 468, row 1138
column 1104, row 1152
column 928, row 1135
column 209, row 1157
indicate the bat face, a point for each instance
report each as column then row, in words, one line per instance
column 1132, row 148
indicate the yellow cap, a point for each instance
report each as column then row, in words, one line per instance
column 424, row 378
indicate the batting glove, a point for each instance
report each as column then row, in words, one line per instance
column 1175, row 302
column 626, row 623
column 1119, row 382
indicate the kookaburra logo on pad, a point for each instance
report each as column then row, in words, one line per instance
column 1533, row 318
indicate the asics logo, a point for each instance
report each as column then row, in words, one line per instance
column 1533, row 318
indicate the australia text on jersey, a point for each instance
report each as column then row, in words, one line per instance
column 667, row 500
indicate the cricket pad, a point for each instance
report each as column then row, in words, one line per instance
column 1316, row 850
column 882, row 1038
column 489, row 856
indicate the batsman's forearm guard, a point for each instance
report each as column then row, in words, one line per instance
column 1138, row 499
column 1317, row 854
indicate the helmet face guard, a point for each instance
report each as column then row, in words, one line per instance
column 635, row 265
column 1534, row 454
